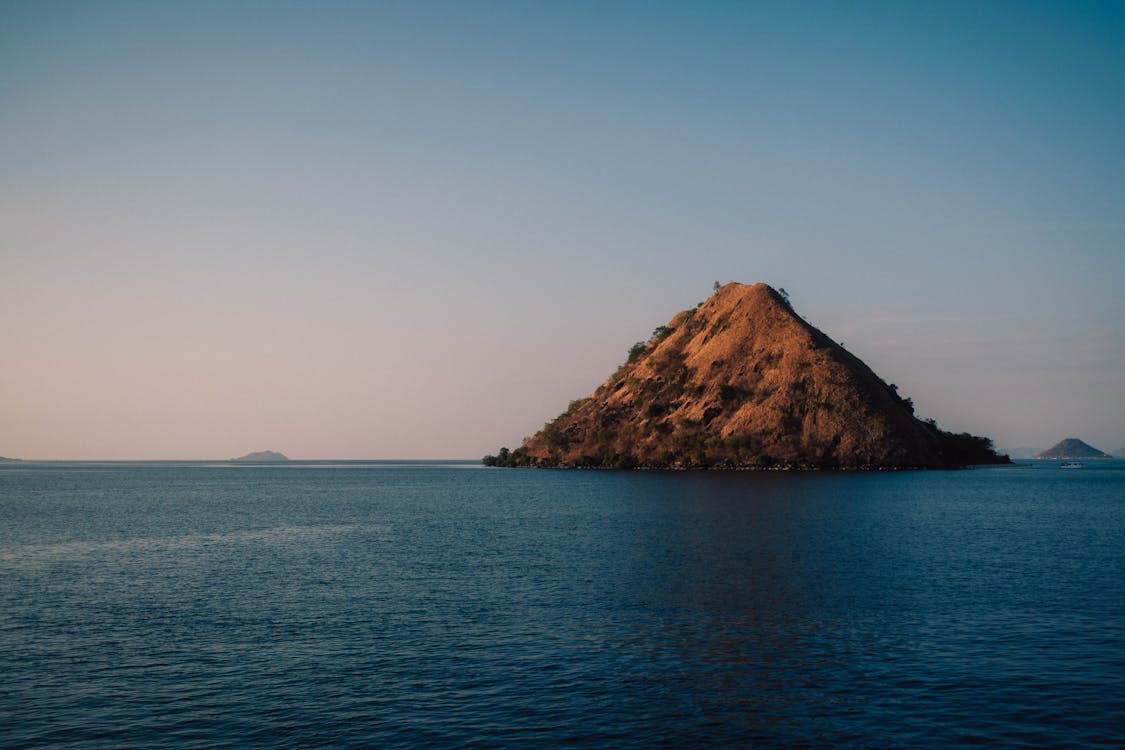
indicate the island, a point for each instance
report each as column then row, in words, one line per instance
column 1072, row 448
column 262, row 457
column 742, row 381
column 4, row 460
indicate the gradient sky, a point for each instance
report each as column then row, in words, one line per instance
column 393, row 230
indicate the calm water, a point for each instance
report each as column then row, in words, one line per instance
column 364, row 605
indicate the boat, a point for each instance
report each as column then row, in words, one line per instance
column 1070, row 465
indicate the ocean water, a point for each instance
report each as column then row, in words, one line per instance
column 445, row 604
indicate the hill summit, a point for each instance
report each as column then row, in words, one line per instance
column 742, row 381
column 1072, row 448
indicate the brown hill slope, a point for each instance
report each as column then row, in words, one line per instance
column 743, row 381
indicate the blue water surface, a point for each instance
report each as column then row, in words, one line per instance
column 356, row 604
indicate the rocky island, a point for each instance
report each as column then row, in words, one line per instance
column 742, row 381
column 1072, row 448
column 262, row 457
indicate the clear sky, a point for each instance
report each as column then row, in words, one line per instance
column 419, row 229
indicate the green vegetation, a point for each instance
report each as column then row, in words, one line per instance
column 635, row 352
column 607, row 459
column 507, row 458
column 616, row 460
column 552, row 436
column 660, row 333
column 964, row 449
column 676, row 374
column 906, row 403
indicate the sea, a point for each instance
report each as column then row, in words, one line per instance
column 445, row 604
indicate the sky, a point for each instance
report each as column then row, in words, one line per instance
column 419, row 229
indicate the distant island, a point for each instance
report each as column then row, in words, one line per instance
column 10, row 460
column 1072, row 448
column 262, row 456
column 743, row 381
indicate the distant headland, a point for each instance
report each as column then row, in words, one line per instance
column 4, row 460
column 743, row 381
column 262, row 456
column 1072, row 448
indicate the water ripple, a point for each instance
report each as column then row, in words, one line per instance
column 192, row 607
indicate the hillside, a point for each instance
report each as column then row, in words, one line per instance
column 261, row 457
column 743, row 381
column 1072, row 448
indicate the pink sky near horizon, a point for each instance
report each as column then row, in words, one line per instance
column 342, row 231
